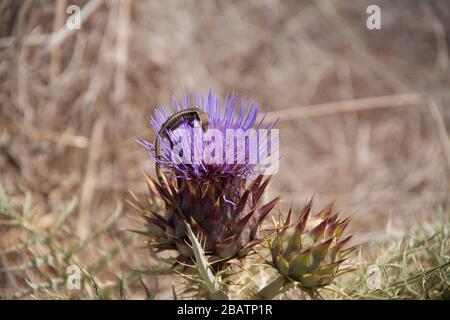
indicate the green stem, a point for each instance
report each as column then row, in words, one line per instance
column 272, row 290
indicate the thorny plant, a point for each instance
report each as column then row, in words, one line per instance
column 36, row 263
column 411, row 264
column 213, row 216
column 213, row 212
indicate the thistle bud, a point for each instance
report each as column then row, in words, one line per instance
column 311, row 251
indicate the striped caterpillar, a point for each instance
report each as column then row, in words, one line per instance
column 173, row 122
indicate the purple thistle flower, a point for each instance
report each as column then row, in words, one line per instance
column 234, row 115
column 208, row 190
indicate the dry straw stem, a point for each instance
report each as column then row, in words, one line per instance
column 88, row 186
column 329, row 10
column 63, row 138
column 353, row 105
column 442, row 130
column 63, row 33
column 56, row 55
column 123, row 29
column 53, row 41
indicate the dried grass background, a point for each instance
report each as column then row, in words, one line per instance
column 364, row 113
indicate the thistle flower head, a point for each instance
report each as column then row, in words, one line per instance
column 212, row 194
column 207, row 155
column 312, row 251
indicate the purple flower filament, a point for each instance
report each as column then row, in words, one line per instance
column 209, row 156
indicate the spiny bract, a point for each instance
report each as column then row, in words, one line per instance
column 221, row 202
column 311, row 251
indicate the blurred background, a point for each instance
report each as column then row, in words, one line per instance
column 364, row 114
